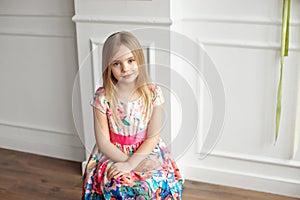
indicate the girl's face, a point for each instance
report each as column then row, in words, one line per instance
column 124, row 66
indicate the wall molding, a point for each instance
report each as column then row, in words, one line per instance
column 249, row 181
column 234, row 172
column 244, row 44
column 159, row 21
column 236, row 20
column 34, row 34
column 51, row 25
column 63, row 146
column 21, row 13
column 33, row 128
column 256, row 159
column 296, row 149
column 95, row 44
column 245, row 171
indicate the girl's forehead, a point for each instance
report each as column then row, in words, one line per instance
column 122, row 53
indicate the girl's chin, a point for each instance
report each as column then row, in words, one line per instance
column 128, row 79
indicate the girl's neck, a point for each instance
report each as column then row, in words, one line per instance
column 126, row 91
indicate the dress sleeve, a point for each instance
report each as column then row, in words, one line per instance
column 158, row 97
column 99, row 101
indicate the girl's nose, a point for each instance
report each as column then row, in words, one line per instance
column 125, row 67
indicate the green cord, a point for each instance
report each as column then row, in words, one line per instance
column 284, row 52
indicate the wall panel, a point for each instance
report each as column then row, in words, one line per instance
column 243, row 40
column 38, row 64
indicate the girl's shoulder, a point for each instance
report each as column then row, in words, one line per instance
column 157, row 94
column 100, row 91
column 99, row 100
column 154, row 88
column 100, row 94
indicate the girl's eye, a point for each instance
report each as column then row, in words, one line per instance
column 115, row 64
column 131, row 60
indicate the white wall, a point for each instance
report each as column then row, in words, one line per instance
column 243, row 38
column 38, row 64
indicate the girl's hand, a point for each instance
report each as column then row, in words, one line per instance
column 147, row 165
column 118, row 169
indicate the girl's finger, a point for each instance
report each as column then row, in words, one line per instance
column 114, row 173
column 110, row 173
column 119, row 174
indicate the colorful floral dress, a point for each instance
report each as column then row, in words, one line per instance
column 164, row 182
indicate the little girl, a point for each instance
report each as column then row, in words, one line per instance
column 129, row 160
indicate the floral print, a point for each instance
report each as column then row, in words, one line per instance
column 164, row 182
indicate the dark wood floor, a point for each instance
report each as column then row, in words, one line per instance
column 26, row 176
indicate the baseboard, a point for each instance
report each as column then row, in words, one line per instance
column 221, row 175
column 42, row 142
column 83, row 165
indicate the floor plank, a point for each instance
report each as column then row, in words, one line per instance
column 26, row 176
column 203, row 191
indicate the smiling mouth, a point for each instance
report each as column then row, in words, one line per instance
column 127, row 76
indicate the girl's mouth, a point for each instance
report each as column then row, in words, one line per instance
column 127, row 76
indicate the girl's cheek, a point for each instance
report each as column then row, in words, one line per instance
column 135, row 67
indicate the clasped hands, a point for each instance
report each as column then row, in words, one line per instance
column 120, row 168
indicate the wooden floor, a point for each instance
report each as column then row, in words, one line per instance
column 26, row 176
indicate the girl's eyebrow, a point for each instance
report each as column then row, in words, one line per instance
column 114, row 61
column 131, row 57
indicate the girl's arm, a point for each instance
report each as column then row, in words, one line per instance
column 154, row 127
column 103, row 139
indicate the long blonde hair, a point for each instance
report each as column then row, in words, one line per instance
column 110, row 47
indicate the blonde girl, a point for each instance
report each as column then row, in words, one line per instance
column 129, row 160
